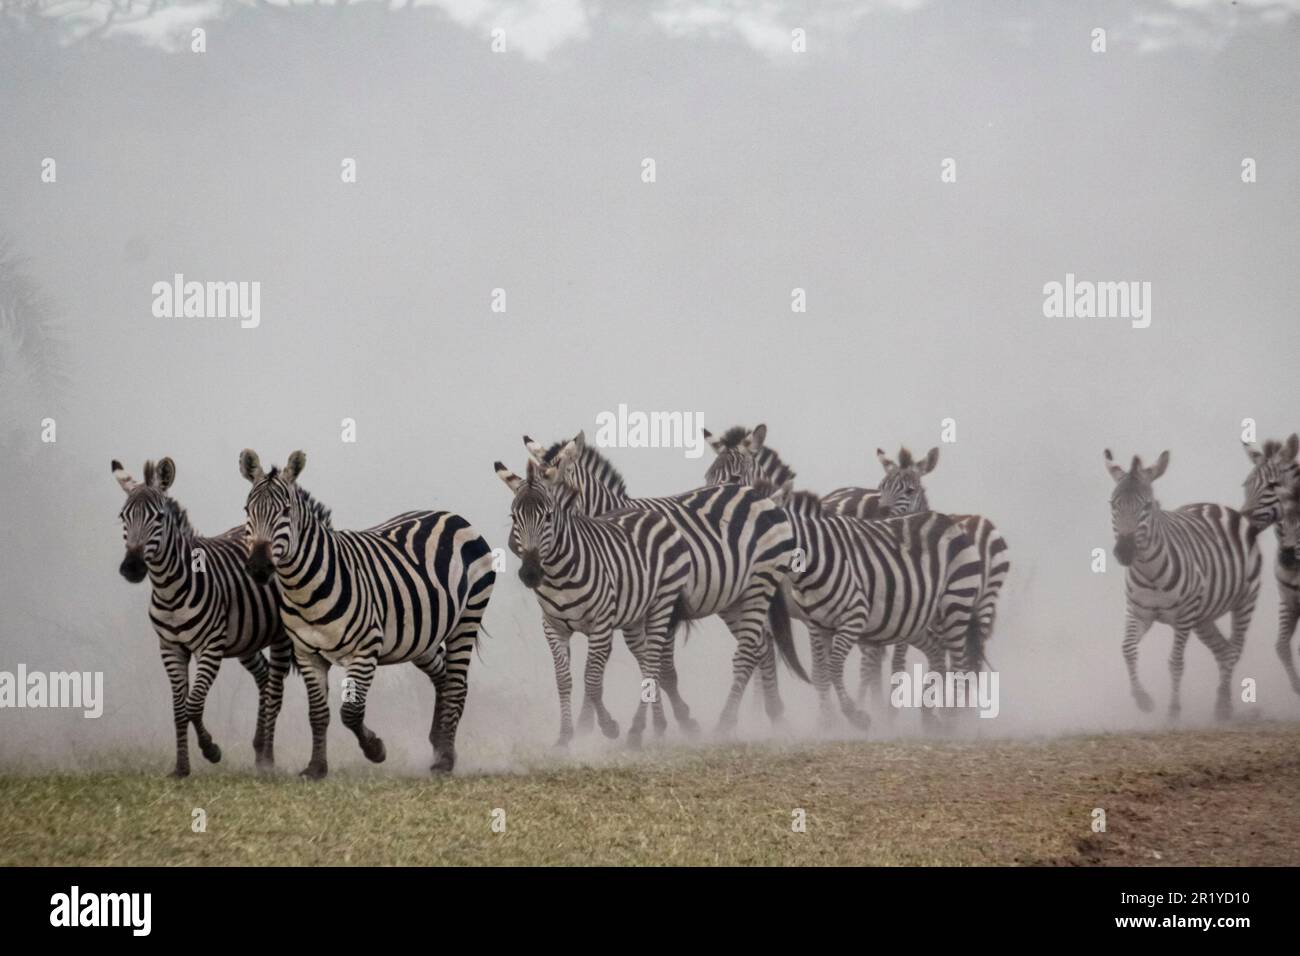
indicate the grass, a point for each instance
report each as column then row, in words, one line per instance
column 1179, row 798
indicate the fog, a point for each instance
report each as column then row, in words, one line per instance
column 522, row 171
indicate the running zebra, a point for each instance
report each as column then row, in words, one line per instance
column 903, row 493
column 1186, row 568
column 412, row 589
column 203, row 606
column 625, row 570
column 867, row 582
column 741, row 546
column 1271, row 490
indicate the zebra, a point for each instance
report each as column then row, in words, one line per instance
column 204, row 607
column 1186, row 568
column 624, row 570
column 1270, row 500
column 413, row 589
column 902, row 493
column 742, row 456
column 741, row 548
column 865, row 582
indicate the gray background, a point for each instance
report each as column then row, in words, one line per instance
column 522, row 170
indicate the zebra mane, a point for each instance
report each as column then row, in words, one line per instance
column 318, row 510
column 804, row 503
column 1272, row 447
column 593, row 463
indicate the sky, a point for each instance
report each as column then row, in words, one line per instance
column 522, row 170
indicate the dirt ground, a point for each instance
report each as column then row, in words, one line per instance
column 1228, row 797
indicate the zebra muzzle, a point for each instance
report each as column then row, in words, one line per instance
column 1125, row 547
column 133, row 567
column 258, row 564
column 1287, row 558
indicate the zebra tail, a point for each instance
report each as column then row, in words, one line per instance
column 778, row 620
column 975, row 655
column 678, row 618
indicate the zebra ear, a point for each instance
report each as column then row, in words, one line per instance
column 165, row 474
column 512, row 480
column 1253, row 453
column 570, row 451
column 126, row 481
column 535, row 451
column 754, row 440
column 929, row 461
column 579, row 442
column 714, row 443
column 1158, row 469
column 885, row 463
column 293, row 468
column 250, row 466
column 1115, row 470
column 1291, row 448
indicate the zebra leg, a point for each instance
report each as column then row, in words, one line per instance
column 637, row 644
column 772, row 705
column 1225, row 655
column 842, row 644
column 356, row 687
column 255, row 663
column 1176, row 670
column 452, row 687
column 1287, row 614
column 668, row 681
column 820, row 639
column 593, row 684
column 176, row 661
column 281, row 657
column 897, row 664
column 651, row 643
column 557, row 638
column 315, row 674
column 746, row 620
column 873, row 655
column 1134, row 630
column 205, row 671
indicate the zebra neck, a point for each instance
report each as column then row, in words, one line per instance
column 172, row 575
column 317, row 548
column 1150, row 560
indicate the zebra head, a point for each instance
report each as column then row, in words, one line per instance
column 737, row 460
column 147, row 517
column 539, row 500
column 275, row 513
column 1288, row 529
column 1133, row 504
column 1276, row 469
column 901, row 491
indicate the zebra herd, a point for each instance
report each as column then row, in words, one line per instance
column 859, row 567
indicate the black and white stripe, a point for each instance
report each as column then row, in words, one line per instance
column 412, row 589
column 877, row 582
column 1186, row 568
column 625, row 570
column 206, row 615
column 741, row 546
column 1272, row 490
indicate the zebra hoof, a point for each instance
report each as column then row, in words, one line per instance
column 1175, row 712
column 212, row 753
column 314, row 771
column 179, row 773
column 1222, row 711
column 374, row 750
column 1144, row 701
column 691, row 728
column 609, row 728
column 562, row 741
column 443, row 764
column 634, row 740
column 859, row 719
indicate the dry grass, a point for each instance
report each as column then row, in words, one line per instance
column 1180, row 798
